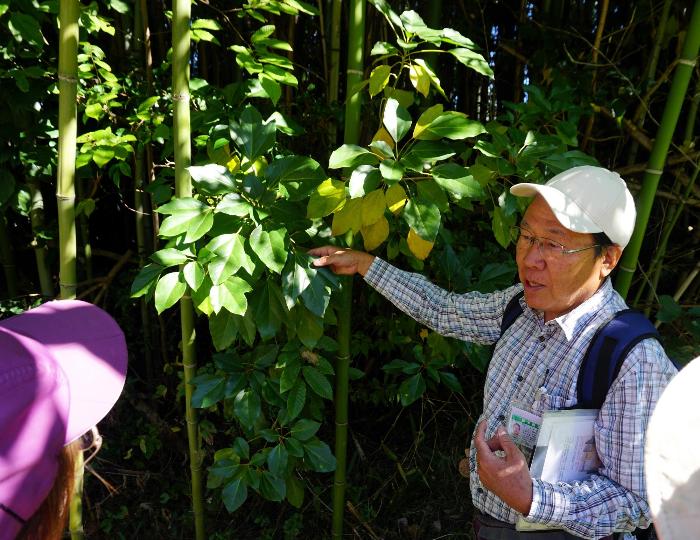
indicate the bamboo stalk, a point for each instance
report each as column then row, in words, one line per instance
column 334, row 70
column 36, row 216
column 594, row 60
column 658, row 155
column 8, row 260
column 353, row 106
column 183, row 188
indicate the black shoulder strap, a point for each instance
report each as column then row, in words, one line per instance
column 512, row 312
column 608, row 349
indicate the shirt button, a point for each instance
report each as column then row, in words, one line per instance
column 520, row 378
column 479, row 490
column 541, row 338
column 501, row 417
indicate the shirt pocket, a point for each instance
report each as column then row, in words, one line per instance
column 551, row 402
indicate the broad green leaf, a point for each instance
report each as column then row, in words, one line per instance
column 304, row 429
column 251, row 135
column 246, row 406
column 363, row 179
column 451, row 381
column 277, row 460
column 383, row 48
column 269, row 309
column 229, row 256
column 103, row 155
column 457, row 181
column 373, row 235
column 290, row 374
column 348, row 218
column 378, row 79
column 318, row 455
column 296, row 277
column 430, row 190
column 272, row 88
column 395, row 198
column 294, row 447
column 295, row 491
column 426, row 153
column 351, row 155
column 391, row 170
column 432, row 77
column 309, row 327
column 208, row 390
column 298, row 175
column 382, row 148
column 200, row 297
column 455, row 38
column 169, row 257
column 452, row 125
column 241, row 448
column 296, row 399
column 419, row 247
column 193, row 274
column 328, row 197
column 187, row 215
column 419, row 79
column 26, row 28
column 425, row 120
column 272, row 487
column 404, row 97
column 396, row 120
column 318, row 382
column 472, row 60
column 230, row 295
column 233, row 205
column 270, row 247
column 669, row 309
column 373, row 206
column 234, row 494
column 145, row 280
column 501, row 225
column 168, row 291
column 495, row 276
column 212, row 179
column 423, row 217
column 223, row 329
column 411, row 389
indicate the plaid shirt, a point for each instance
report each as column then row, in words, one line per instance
column 537, row 363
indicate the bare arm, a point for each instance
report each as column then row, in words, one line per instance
column 342, row 261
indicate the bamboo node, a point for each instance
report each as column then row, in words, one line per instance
column 687, row 62
column 354, row 72
column 67, row 78
column 181, row 96
column 341, row 423
column 654, row 171
column 187, row 366
column 625, row 268
column 65, row 197
column 344, row 357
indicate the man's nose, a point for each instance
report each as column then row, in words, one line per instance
column 533, row 254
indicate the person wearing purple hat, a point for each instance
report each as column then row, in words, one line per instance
column 568, row 242
column 62, row 369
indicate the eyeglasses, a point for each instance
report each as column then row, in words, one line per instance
column 549, row 249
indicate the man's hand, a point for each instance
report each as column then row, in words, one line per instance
column 507, row 477
column 342, row 261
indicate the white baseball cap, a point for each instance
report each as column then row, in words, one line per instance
column 588, row 199
column 672, row 458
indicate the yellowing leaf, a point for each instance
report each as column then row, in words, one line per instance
column 373, row 235
column 420, row 79
column 373, row 206
column 419, row 247
column 426, row 118
column 328, row 198
column 383, row 135
column 395, row 198
column 234, row 164
column 349, row 217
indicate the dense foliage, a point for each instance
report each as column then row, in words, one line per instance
column 460, row 101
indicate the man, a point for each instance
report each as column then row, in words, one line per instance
column 569, row 241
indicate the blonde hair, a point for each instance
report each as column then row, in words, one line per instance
column 49, row 521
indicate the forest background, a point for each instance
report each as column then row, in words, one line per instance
column 177, row 161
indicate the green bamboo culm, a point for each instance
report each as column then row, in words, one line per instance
column 334, row 69
column 69, row 11
column 657, row 159
column 353, row 104
column 183, row 188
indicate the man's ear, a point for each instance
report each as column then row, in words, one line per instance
column 611, row 256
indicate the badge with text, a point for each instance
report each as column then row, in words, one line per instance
column 523, row 427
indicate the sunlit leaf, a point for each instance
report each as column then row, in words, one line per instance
column 419, row 247
column 378, row 79
column 373, row 235
column 351, row 155
column 168, row 291
column 363, row 179
column 453, row 125
column 425, row 119
column 457, row 181
column 373, row 206
column 270, row 247
column 419, row 79
column 349, row 217
column 396, row 119
column 472, row 60
column 423, row 217
column 395, row 198
column 328, row 197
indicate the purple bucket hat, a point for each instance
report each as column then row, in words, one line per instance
column 62, row 368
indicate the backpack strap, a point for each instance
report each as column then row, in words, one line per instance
column 608, row 349
column 512, row 312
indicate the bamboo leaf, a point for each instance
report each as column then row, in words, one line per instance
column 423, row 217
column 419, row 247
column 168, row 291
column 270, row 247
column 378, row 79
column 373, row 235
column 234, row 494
column 328, row 197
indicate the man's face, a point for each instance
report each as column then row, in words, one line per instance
column 557, row 285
